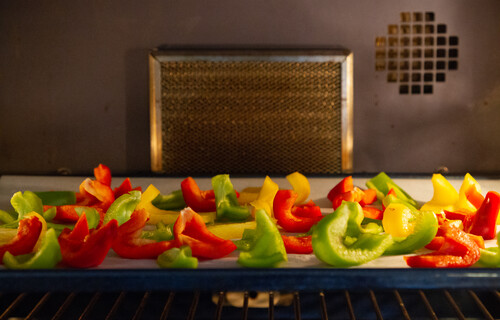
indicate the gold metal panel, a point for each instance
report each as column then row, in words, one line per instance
column 251, row 112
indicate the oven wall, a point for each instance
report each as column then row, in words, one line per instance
column 74, row 78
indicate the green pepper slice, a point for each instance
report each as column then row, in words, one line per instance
column 122, row 208
column 56, row 198
column 425, row 229
column 172, row 201
column 226, row 201
column 263, row 246
column 340, row 241
column 47, row 257
column 382, row 183
column 490, row 257
column 177, row 258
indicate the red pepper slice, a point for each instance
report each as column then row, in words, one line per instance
column 190, row 229
column 96, row 194
column 355, row 195
column 459, row 250
column 293, row 218
column 484, row 222
column 345, row 185
column 196, row 199
column 299, row 245
column 373, row 213
column 125, row 188
column 369, row 197
column 26, row 238
column 103, row 174
column 130, row 245
column 467, row 217
column 89, row 251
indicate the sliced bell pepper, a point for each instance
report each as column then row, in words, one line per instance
column 27, row 202
column 298, row 244
column 196, row 199
column 190, row 229
column 248, row 195
column 162, row 232
column 474, row 196
column 103, row 174
column 81, row 248
column 57, row 198
column 28, row 236
column 130, row 244
column 226, row 201
column 96, row 193
column 263, row 246
column 382, row 183
column 399, row 220
column 125, row 188
column 122, row 208
column 465, row 216
column 172, row 201
column 424, row 231
column 46, row 257
column 469, row 185
column 266, row 196
column 484, row 221
column 286, row 215
column 445, row 195
column 340, row 241
column 71, row 214
column 232, row 230
column 457, row 251
column 7, row 217
column 300, row 185
column 157, row 215
column 490, row 257
column 177, row 258
column 345, row 185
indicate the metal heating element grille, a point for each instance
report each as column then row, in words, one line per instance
column 341, row 304
column 249, row 114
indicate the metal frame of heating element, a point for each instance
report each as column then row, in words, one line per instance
column 341, row 56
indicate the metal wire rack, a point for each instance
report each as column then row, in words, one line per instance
column 337, row 304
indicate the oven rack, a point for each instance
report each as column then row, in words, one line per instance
column 336, row 304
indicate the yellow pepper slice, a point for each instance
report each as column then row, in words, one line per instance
column 266, row 196
column 398, row 220
column 468, row 183
column 248, row 195
column 230, row 231
column 445, row 195
column 157, row 215
column 300, row 185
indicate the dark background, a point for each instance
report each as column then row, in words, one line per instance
column 74, row 79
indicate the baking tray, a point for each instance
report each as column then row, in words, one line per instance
column 301, row 272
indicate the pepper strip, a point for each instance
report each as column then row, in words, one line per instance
column 263, row 246
column 300, row 185
column 82, row 249
column 425, row 229
column 444, row 197
column 266, row 196
column 226, row 201
column 297, row 244
column 457, row 251
column 484, row 221
column 198, row 200
column 286, row 213
column 177, row 258
column 190, row 229
column 129, row 243
column 28, row 238
column 158, row 215
column 47, row 257
column 382, row 183
column 339, row 240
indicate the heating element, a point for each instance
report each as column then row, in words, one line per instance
column 339, row 304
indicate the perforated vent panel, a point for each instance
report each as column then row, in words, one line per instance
column 250, row 117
